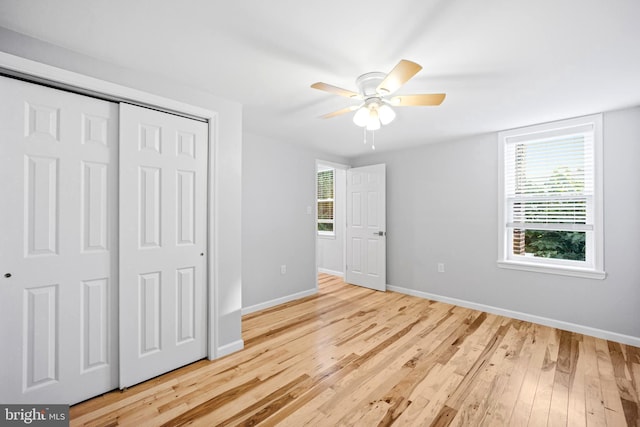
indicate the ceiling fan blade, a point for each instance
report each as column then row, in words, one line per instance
column 335, row 90
column 339, row 112
column 400, row 74
column 417, row 100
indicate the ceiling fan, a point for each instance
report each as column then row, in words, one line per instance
column 375, row 93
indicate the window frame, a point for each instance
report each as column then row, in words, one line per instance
column 593, row 266
column 319, row 169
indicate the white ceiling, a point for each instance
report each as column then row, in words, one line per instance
column 502, row 63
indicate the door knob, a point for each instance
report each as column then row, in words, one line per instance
column 7, row 275
column 379, row 233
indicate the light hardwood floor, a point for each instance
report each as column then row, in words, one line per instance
column 351, row 356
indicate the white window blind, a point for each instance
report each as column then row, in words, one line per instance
column 549, row 180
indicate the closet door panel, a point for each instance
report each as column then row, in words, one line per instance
column 58, row 289
column 163, row 232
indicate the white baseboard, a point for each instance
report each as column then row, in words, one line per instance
column 559, row 324
column 230, row 348
column 278, row 301
column 331, row 272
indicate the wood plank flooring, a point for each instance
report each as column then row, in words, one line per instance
column 350, row 356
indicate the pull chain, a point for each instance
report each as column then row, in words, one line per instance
column 373, row 137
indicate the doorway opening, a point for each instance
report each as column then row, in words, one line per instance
column 330, row 217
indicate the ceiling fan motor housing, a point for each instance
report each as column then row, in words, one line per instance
column 368, row 84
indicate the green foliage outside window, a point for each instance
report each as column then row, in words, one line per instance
column 556, row 244
column 324, row 226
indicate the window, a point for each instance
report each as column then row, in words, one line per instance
column 551, row 198
column 326, row 205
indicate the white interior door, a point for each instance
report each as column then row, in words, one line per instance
column 366, row 247
column 58, row 289
column 163, row 232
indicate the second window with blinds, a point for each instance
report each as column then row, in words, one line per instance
column 325, row 201
column 551, row 198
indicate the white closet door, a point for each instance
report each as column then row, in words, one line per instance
column 163, row 201
column 58, row 290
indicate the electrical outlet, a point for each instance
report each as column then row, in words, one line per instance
column 283, row 269
column 440, row 267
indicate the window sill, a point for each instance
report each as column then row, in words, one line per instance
column 326, row 235
column 561, row 270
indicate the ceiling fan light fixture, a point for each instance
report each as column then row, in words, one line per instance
column 361, row 117
column 386, row 114
column 373, row 125
column 373, row 122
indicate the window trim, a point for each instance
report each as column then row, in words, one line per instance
column 326, row 234
column 555, row 266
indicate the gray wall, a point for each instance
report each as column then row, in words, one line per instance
column 278, row 185
column 442, row 207
column 229, row 158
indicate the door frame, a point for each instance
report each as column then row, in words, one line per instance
column 59, row 78
column 342, row 218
